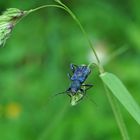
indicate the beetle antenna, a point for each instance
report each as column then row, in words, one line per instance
column 92, row 101
column 52, row 96
column 60, row 93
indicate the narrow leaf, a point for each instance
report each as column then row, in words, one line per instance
column 122, row 94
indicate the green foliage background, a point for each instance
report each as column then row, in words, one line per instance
column 35, row 61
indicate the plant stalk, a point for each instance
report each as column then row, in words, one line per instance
column 45, row 6
column 64, row 7
column 117, row 114
column 112, row 102
column 82, row 29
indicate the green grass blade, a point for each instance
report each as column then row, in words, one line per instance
column 122, row 94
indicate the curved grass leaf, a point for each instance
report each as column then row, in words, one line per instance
column 122, row 94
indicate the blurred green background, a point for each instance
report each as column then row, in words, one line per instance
column 35, row 61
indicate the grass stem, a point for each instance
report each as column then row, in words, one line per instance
column 44, row 6
column 117, row 114
column 82, row 29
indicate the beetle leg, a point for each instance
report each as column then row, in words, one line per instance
column 73, row 67
column 68, row 92
column 69, row 75
column 87, row 86
column 82, row 91
column 84, row 94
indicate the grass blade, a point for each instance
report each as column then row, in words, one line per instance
column 122, row 94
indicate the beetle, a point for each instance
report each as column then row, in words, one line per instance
column 77, row 89
column 80, row 74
